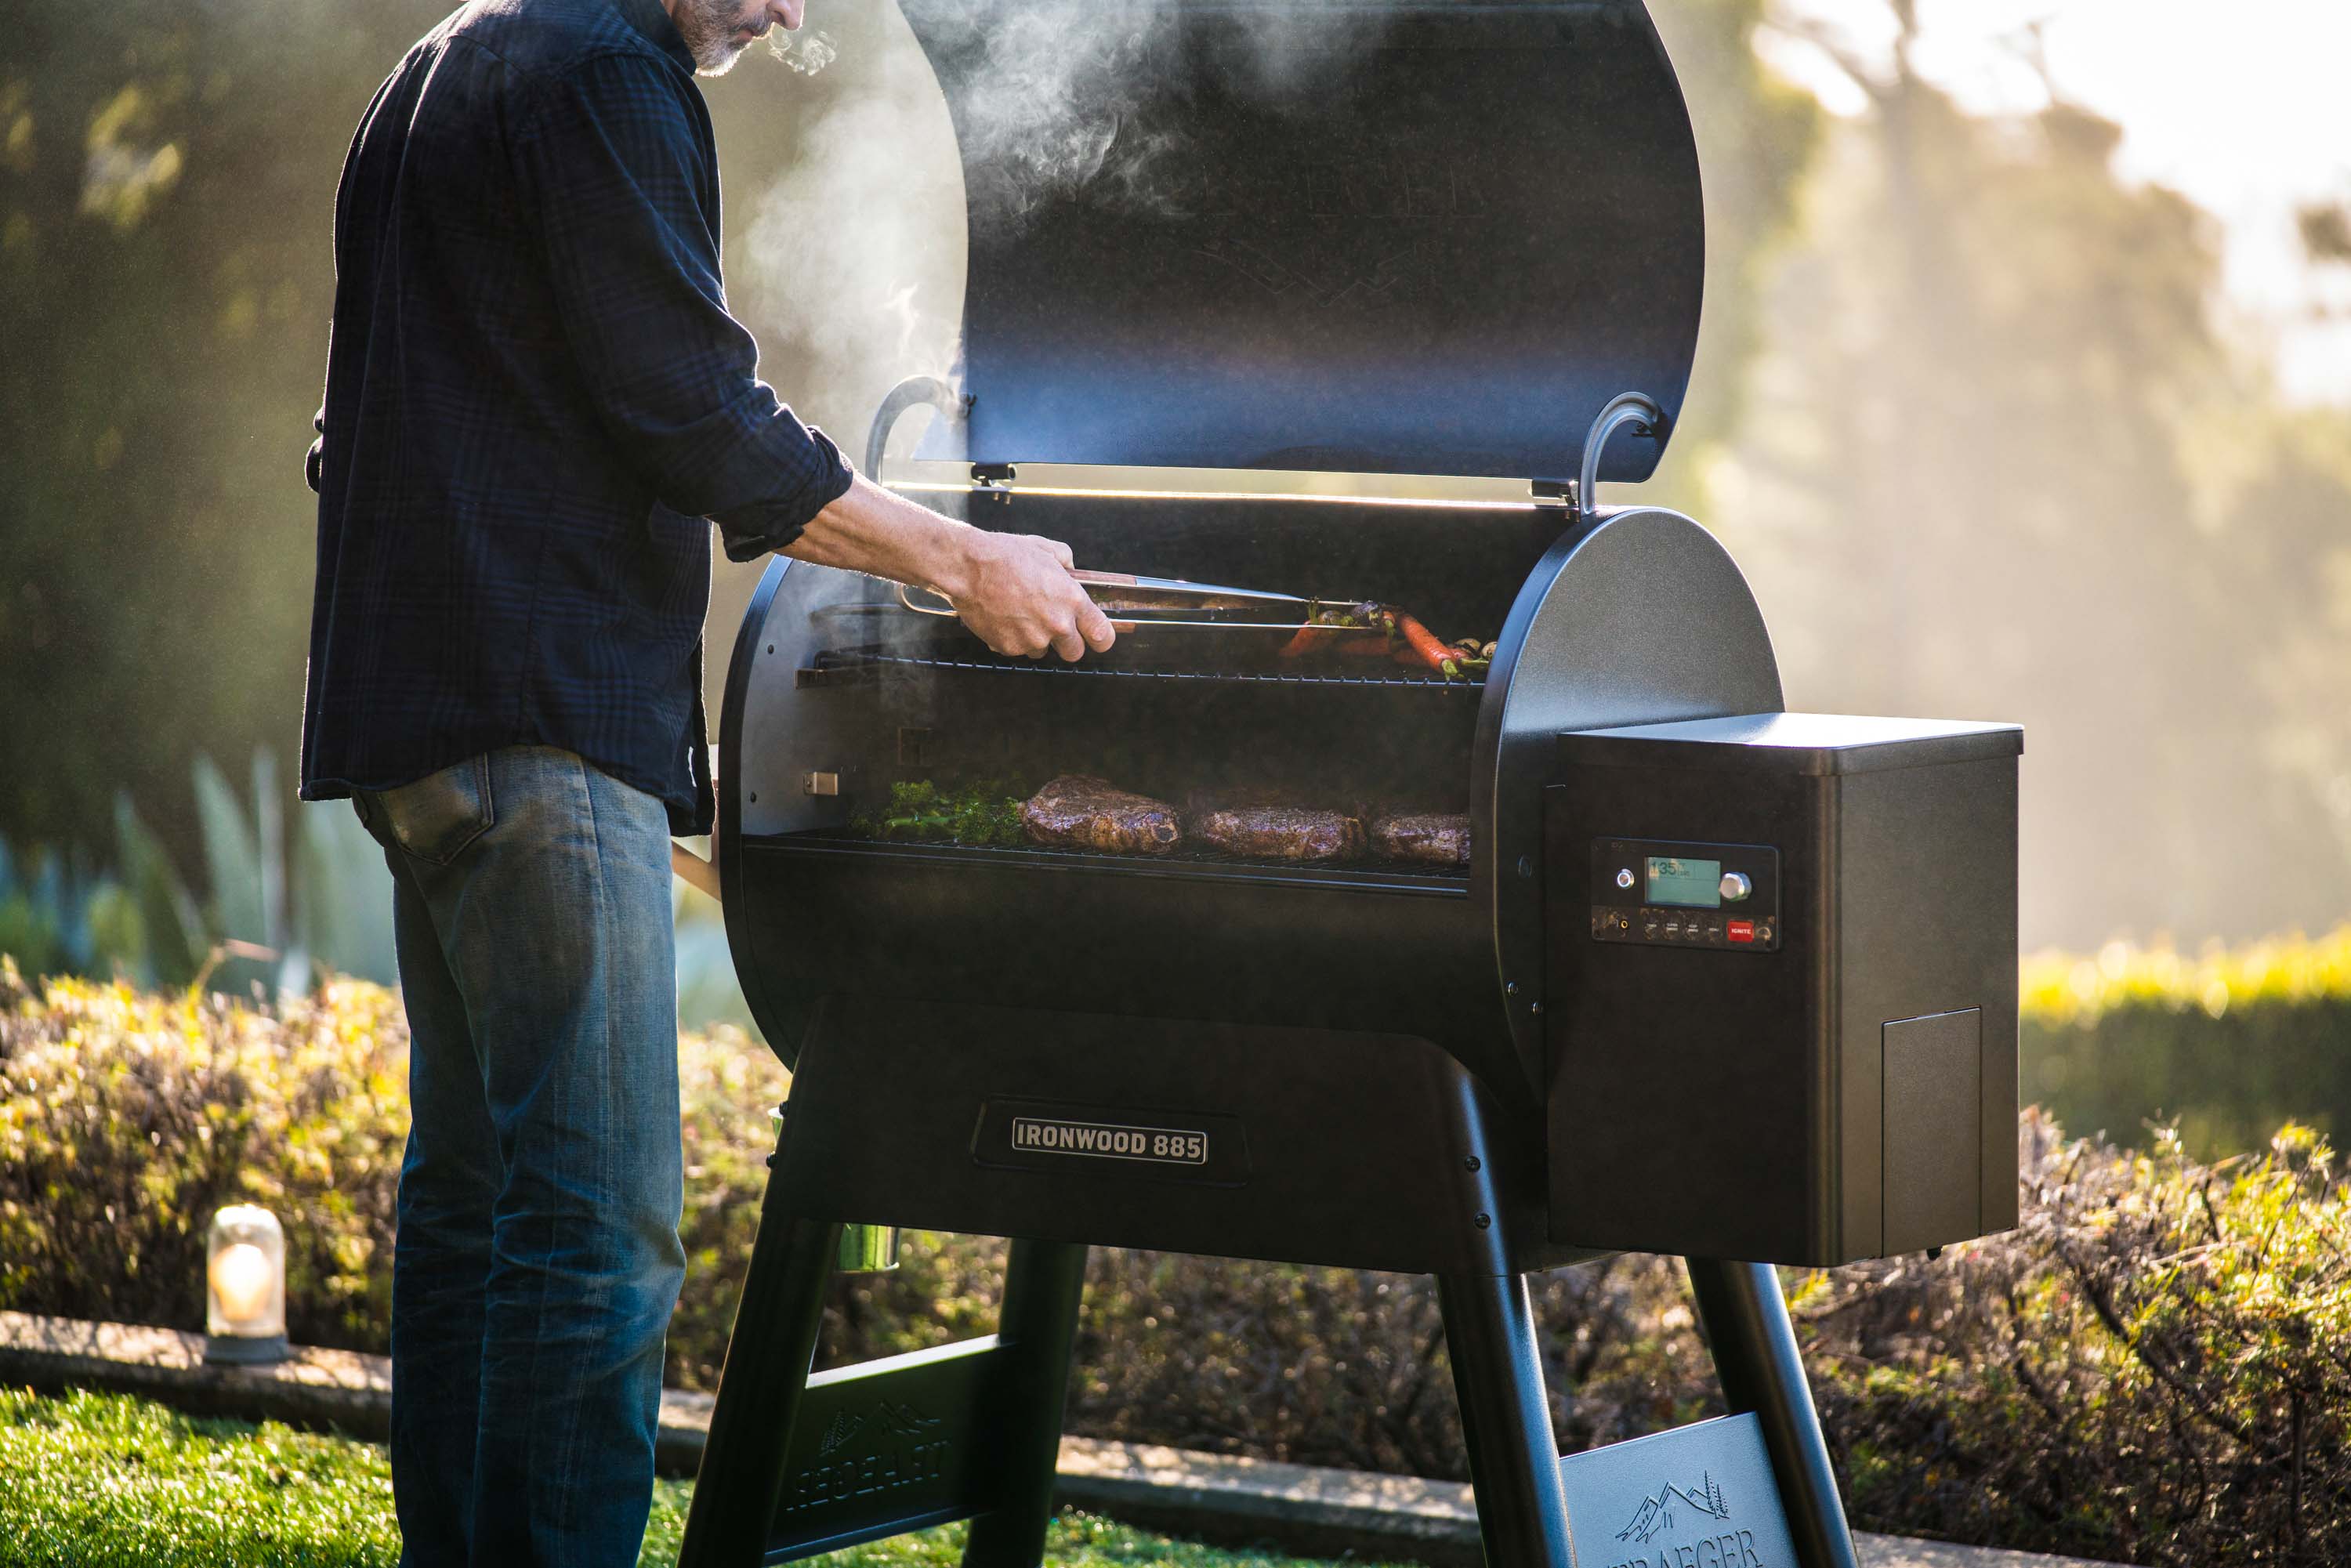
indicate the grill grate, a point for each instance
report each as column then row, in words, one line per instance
column 850, row 666
column 1178, row 862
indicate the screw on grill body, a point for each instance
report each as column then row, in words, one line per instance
column 1471, row 1163
column 1484, row 1220
column 1509, row 987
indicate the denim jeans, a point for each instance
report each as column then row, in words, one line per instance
column 538, row 1255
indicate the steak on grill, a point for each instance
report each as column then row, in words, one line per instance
column 1280, row 832
column 1430, row 838
column 1080, row 813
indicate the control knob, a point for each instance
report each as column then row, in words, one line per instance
column 1736, row 886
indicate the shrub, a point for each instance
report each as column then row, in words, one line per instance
column 2155, row 1367
column 128, row 1117
column 2229, row 1045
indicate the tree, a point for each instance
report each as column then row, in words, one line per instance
column 2001, row 462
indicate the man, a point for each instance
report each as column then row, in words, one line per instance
column 535, row 396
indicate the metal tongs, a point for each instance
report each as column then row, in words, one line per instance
column 1132, row 601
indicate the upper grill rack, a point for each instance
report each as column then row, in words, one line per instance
column 853, row 666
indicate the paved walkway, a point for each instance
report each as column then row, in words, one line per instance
column 1302, row 1508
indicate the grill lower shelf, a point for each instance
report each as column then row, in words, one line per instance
column 851, row 667
column 1373, row 875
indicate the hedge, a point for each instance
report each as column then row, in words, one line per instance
column 2155, row 1367
column 2227, row 1044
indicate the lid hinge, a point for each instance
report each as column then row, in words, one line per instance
column 994, row 477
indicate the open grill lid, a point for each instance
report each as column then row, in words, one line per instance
column 1430, row 237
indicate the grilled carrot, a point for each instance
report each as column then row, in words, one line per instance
column 1444, row 659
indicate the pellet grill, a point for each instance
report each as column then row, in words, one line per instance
column 1716, row 980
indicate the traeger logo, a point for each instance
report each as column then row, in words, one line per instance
column 1662, row 1510
column 1109, row 1140
column 899, row 1449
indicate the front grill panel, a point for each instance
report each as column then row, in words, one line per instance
column 1366, row 875
column 1188, row 741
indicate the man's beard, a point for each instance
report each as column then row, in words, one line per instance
column 708, row 27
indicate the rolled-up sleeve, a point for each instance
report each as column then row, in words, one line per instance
column 614, row 170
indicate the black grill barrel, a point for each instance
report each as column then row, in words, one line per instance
column 1715, row 979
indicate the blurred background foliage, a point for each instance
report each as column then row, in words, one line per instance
column 1967, row 407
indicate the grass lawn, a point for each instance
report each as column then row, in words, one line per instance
column 103, row 1480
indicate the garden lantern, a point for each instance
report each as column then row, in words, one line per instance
column 245, row 1286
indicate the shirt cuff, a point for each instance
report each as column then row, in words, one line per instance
column 755, row 529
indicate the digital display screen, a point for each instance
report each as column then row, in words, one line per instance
column 1689, row 883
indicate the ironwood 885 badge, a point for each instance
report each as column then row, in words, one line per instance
column 1189, row 1147
column 1106, row 1140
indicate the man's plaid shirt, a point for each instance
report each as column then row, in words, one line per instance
column 535, row 396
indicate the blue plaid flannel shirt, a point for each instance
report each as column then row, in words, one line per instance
column 535, row 397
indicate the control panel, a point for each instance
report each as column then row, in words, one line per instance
column 1668, row 893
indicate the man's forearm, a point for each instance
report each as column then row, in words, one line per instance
column 874, row 530
column 1013, row 590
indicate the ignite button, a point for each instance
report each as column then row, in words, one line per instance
column 1742, row 931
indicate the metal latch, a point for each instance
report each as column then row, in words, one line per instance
column 814, row 783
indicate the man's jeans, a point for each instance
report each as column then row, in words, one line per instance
column 537, row 1256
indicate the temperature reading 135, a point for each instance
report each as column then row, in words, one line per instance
column 1685, row 884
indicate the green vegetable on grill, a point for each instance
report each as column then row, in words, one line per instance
column 982, row 813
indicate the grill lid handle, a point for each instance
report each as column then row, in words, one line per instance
column 1634, row 409
column 913, row 392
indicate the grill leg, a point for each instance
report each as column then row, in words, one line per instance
column 1755, row 1355
column 1042, row 1284
column 1506, row 1416
column 759, row 1388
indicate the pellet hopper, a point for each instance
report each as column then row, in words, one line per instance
column 1675, row 971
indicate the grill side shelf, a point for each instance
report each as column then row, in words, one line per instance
column 1180, row 864
column 858, row 668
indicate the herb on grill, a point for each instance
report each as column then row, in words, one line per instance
column 988, row 812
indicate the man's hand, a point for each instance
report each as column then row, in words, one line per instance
column 1019, row 598
column 1014, row 590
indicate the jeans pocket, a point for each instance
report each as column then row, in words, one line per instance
column 437, row 816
